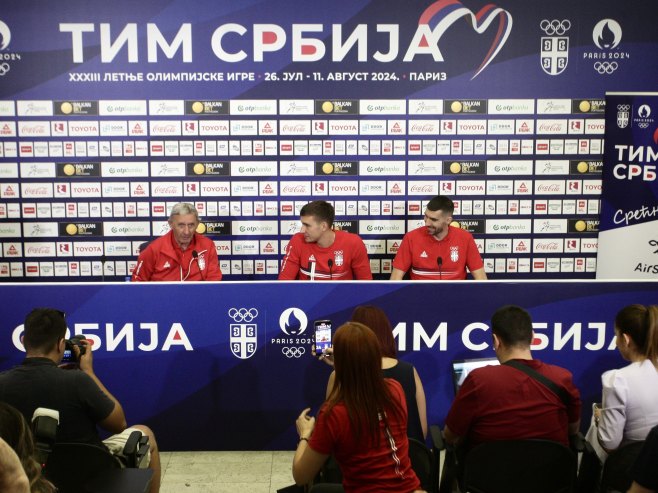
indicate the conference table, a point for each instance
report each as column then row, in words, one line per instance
column 228, row 365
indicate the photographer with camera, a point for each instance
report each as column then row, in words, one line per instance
column 77, row 393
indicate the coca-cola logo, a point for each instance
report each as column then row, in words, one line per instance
column 552, row 246
column 548, row 188
column 165, row 189
column 425, row 127
column 550, row 127
column 34, row 129
column 421, row 188
column 164, row 129
column 40, row 250
column 297, row 128
column 38, row 190
column 294, row 189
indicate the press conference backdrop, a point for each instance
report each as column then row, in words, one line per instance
column 226, row 366
column 110, row 112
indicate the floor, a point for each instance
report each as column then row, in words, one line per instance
column 224, row 472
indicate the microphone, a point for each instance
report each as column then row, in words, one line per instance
column 311, row 268
column 439, row 261
column 330, row 263
column 195, row 256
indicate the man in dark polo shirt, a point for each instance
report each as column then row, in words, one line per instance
column 503, row 402
column 80, row 397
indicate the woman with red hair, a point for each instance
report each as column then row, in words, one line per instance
column 363, row 422
column 375, row 318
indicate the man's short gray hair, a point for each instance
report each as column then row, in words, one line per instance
column 183, row 208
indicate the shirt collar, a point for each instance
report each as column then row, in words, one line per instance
column 38, row 361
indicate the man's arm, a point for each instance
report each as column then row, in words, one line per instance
column 450, row 437
column 290, row 266
column 360, row 262
column 144, row 268
column 115, row 422
column 479, row 274
column 402, row 261
column 213, row 272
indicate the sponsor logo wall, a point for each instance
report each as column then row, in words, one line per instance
column 274, row 113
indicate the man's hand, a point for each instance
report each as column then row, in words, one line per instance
column 86, row 360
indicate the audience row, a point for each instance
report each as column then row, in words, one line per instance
column 374, row 402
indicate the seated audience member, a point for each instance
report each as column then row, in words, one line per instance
column 16, row 432
column 78, row 394
column 180, row 255
column 12, row 474
column 375, row 318
column 320, row 252
column 644, row 471
column 629, row 406
column 363, row 423
column 502, row 402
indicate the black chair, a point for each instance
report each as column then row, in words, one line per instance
column 520, row 466
column 327, row 488
column 86, row 468
column 616, row 474
column 425, row 461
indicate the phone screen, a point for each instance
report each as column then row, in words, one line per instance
column 69, row 356
column 322, row 335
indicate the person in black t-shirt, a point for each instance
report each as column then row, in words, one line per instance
column 80, row 397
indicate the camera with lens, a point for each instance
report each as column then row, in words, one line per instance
column 69, row 353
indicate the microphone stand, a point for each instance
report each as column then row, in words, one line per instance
column 330, row 263
column 439, row 261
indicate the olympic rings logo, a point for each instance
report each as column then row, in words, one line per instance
column 643, row 125
column 555, row 26
column 293, row 352
column 624, row 107
column 605, row 67
column 4, row 68
column 243, row 314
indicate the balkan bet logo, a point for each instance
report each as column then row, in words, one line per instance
column 444, row 13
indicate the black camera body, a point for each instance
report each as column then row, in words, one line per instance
column 69, row 353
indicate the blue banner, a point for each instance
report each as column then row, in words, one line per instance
column 227, row 366
column 110, row 112
column 628, row 242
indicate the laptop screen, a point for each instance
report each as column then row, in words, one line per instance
column 461, row 368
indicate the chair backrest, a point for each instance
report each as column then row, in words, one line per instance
column 616, row 469
column 423, row 464
column 520, row 466
column 71, row 465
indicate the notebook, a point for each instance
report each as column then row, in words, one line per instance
column 462, row 367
